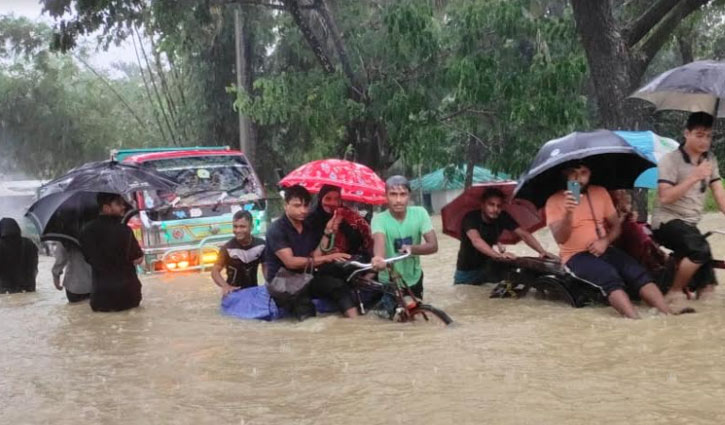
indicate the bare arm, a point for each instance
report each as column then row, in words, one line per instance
column 669, row 192
column 718, row 192
column 614, row 228
column 481, row 245
column 530, row 240
column 379, row 245
column 430, row 246
column 378, row 251
column 216, row 276
column 299, row 263
column 561, row 229
column 61, row 260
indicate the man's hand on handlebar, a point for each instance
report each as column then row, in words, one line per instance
column 378, row 263
column 550, row 256
column 508, row 256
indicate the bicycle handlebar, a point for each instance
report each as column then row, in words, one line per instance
column 366, row 266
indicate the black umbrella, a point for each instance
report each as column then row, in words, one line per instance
column 60, row 216
column 109, row 177
column 694, row 87
column 615, row 164
column 68, row 202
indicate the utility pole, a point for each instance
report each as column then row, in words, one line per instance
column 246, row 144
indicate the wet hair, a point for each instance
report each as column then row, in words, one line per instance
column 397, row 181
column 572, row 165
column 297, row 192
column 492, row 193
column 243, row 215
column 699, row 119
column 108, row 198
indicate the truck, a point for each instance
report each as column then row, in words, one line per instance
column 182, row 231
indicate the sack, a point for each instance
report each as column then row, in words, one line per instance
column 251, row 303
column 287, row 285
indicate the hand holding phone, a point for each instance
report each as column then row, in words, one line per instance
column 575, row 189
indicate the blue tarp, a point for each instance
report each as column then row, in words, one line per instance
column 645, row 142
column 251, row 303
column 256, row 303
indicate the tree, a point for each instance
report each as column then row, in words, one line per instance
column 56, row 112
column 620, row 40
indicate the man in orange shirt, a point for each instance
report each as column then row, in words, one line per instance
column 585, row 231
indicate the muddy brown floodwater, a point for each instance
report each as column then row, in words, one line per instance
column 176, row 360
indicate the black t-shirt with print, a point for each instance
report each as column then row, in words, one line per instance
column 241, row 261
column 469, row 258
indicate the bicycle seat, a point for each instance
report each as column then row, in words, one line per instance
column 540, row 265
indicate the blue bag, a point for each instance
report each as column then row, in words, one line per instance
column 251, row 303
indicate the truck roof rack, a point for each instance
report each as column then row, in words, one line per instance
column 121, row 154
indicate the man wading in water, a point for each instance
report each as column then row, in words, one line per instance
column 240, row 256
column 113, row 253
column 402, row 229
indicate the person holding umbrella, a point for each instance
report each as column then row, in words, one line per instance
column 111, row 249
column 684, row 176
column 584, row 223
column 478, row 261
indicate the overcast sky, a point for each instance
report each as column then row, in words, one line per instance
column 32, row 9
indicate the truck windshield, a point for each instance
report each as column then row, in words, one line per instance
column 205, row 178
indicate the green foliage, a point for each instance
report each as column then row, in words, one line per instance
column 431, row 83
column 524, row 74
column 485, row 70
column 55, row 115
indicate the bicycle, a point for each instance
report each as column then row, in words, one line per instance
column 408, row 308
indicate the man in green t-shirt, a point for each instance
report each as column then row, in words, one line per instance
column 402, row 229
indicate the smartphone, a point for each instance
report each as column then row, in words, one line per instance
column 573, row 187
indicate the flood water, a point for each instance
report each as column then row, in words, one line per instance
column 177, row 360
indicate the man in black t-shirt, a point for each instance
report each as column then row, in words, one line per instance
column 113, row 253
column 240, row 256
column 480, row 258
column 292, row 244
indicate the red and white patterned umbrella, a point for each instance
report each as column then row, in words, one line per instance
column 358, row 182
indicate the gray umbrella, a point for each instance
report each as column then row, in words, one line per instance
column 615, row 164
column 694, row 87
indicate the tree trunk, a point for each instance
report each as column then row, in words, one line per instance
column 608, row 58
column 619, row 58
column 294, row 9
column 243, row 80
column 684, row 42
column 366, row 136
column 470, row 162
